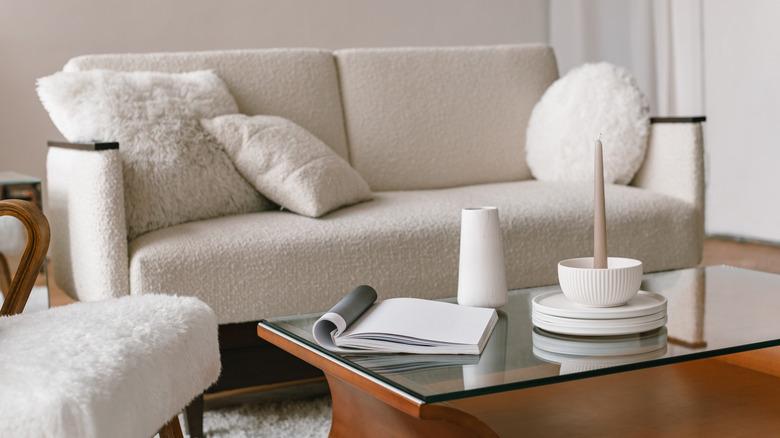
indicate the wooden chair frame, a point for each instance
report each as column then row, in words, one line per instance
column 17, row 290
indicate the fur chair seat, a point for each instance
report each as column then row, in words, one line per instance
column 120, row 367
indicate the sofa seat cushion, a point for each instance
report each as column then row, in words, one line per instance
column 268, row 264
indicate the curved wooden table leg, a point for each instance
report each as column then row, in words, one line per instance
column 357, row 413
column 171, row 429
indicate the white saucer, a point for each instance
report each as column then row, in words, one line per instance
column 556, row 304
column 597, row 330
column 577, row 322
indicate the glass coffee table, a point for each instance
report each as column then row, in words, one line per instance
column 685, row 378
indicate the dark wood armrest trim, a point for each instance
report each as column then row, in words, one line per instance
column 693, row 119
column 83, row 146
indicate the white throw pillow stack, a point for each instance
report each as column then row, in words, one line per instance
column 590, row 101
column 173, row 170
column 288, row 164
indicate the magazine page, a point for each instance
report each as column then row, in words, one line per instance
column 336, row 320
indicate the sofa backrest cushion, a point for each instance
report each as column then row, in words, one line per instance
column 424, row 118
column 297, row 84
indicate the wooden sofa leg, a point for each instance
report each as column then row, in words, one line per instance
column 172, row 429
column 193, row 417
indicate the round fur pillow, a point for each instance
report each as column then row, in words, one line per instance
column 591, row 100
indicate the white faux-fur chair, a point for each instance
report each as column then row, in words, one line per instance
column 121, row 367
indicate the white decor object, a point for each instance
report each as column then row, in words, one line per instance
column 173, row 171
column 590, row 100
column 482, row 270
column 612, row 286
column 114, row 368
column 288, row 164
column 556, row 304
column 613, row 322
column 555, row 313
column 596, row 330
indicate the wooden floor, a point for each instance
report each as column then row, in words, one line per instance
column 757, row 256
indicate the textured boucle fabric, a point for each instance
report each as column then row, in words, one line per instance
column 422, row 118
column 173, row 171
column 288, row 164
column 86, row 212
column 12, row 236
column 114, row 368
column 297, row 84
column 590, row 101
column 402, row 243
column 674, row 163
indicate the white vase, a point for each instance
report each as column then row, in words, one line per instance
column 482, row 273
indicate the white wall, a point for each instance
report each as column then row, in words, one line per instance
column 742, row 99
column 38, row 36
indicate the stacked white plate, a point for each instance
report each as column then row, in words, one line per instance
column 555, row 313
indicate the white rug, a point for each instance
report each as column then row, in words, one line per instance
column 292, row 418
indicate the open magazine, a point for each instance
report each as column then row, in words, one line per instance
column 358, row 324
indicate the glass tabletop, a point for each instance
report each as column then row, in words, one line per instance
column 711, row 311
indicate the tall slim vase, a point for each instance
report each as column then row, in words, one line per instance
column 482, row 272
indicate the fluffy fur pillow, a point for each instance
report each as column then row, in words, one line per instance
column 173, row 170
column 591, row 100
column 289, row 164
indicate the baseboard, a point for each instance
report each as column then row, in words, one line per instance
column 742, row 239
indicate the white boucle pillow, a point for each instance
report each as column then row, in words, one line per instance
column 288, row 164
column 173, row 170
column 591, row 100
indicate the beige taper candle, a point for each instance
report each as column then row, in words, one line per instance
column 599, row 214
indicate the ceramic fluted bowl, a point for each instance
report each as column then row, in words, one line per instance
column 609, row 287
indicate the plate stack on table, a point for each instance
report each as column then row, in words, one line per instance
column 553, row 312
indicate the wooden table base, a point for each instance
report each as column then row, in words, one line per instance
column 358, row 414
column 699, row 398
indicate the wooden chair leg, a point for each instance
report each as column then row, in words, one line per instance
column 193, row 417
column 172, row 429
column 5, row 275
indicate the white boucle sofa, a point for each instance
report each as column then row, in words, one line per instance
column 432, row 130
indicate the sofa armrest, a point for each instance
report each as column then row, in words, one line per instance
column 87, row 215
column 674, row 163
